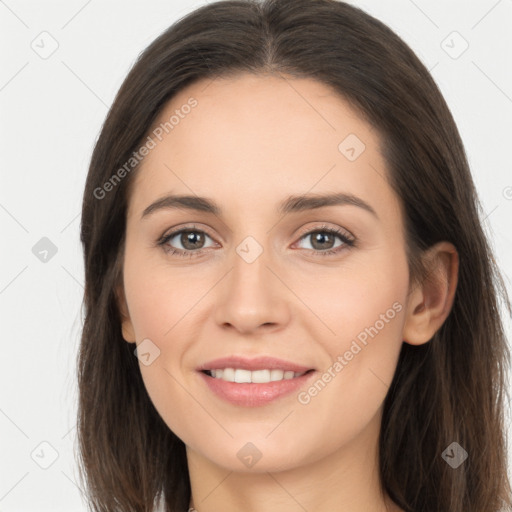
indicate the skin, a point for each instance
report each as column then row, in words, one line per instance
column 252, row 141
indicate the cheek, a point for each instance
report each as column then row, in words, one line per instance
column 158, row 295
column 160, row 307
column 164, row 307
column 366, row 318
column 360, row 294
column 349, row 393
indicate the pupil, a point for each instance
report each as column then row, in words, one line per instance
column 192, row 238
column 321, row 238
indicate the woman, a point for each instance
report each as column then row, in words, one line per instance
column 290, row 300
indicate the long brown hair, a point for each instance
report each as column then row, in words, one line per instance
column 451, row 389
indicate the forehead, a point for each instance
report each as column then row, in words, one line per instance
column 255, row 137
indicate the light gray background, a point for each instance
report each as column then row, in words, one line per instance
column 51, row 112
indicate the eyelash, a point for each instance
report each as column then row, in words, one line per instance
column 350, row 242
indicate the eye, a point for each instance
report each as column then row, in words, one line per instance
column 323, row 238
column 191, row 240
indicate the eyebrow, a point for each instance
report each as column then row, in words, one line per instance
column 292, row 204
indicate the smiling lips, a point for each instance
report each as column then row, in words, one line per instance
column 253, row 382
column 257, row 376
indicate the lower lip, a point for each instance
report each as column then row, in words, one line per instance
column 252, row 394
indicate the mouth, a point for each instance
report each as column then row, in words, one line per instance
column 253, row 382
column 264, row 376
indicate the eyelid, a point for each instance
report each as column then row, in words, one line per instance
column 326, row 227
column 183, row 227
column 302, row 232
column 172, row 232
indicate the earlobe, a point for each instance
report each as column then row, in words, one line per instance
column 126, row 323
column 430, row 302
column 127, row 330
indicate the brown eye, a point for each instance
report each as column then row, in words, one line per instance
column 322, row 240
column 192, row 239
column 184, row 242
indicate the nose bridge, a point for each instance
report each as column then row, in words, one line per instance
column 250, row 273
column 250, row 296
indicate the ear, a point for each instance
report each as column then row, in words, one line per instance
column 430, row 301
column 126, row 323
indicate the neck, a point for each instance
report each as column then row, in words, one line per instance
column 346, row 480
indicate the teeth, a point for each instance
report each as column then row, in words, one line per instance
column 258, row 376
column 276, row 375
column 227, row 374
column 242, row 376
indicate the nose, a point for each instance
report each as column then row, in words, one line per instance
column 252, row 296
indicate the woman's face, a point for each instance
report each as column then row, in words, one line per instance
column 261, row 276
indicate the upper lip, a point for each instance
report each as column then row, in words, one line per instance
column 256, row 363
